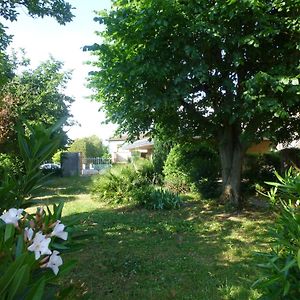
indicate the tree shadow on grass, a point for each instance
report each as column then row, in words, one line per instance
column 190, row 253
column 66, row 189
column 67, row 186
column 53, row 199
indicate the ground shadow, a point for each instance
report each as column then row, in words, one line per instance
column 192, row 253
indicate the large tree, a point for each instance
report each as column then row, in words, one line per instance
column 222, row 70
column 10, row 9
column 36, row 96
column 29, row 95
column 59, row 9
column 91, row 146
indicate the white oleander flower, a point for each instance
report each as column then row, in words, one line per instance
column 12, row 216
column 58, row 231
column 40, row 245
column 54, row 262
column 28, row 232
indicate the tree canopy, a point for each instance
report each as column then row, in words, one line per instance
column 91, row 146
column 222, row 70
column 35, row 96
column 9, row 10
column 58, row 9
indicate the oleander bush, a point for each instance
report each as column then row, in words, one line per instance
column 36, row 144
column 281, row 264
column 31, row 245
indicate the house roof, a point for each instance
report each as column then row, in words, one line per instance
column 118, row 138
column 139, row 144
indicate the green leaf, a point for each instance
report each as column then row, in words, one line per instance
column 10, row 273
column 20, row 245
column 20, row 281
column 298, row 258
column 59, row 246
column 289, row 265
column 286, row 288
column 58, row 210
column 37, row 290
column 9, row 232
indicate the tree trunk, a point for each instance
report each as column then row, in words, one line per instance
column 232, row 154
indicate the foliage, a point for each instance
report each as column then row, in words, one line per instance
column 56, row 157
column 259, row 168
column 145, row 169
column 58, row 9
column 287, row 189
column 9, row 10
column 121, row 184
column 35, row 96
column 133, row 184
column 161, row 150
column 282, row 264
column 191, row 166
column 157, row 198
column 290, row 157
column 35, row 147
column 10, row 164
column 24, row 273
column 221, row 70
column 91, row 146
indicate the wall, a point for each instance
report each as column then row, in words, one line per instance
column 260, row 148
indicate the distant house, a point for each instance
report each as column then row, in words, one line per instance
column 142, row 148
column 262, row 147
column 266, row 146
column 115, row 149
column 122, row 151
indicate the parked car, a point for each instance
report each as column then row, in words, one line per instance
column 51, row 168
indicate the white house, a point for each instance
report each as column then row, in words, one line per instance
column 122, row 151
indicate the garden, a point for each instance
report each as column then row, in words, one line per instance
column 204, row 216
column 130, row 234
column 195, row 252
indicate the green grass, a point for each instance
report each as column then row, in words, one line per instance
column 196, row 252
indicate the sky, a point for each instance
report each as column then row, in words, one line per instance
column 42, row 37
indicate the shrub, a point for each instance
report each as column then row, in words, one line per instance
column 190, row 166
column 36, row 146
column 119, row 184
column 259, row 168
column 290, row 157
column 145, row 169
column 282, row 264
column 133, row 184
column 11, row 165
column 30, row 246
column 161, row 150
column 30, row 243
column 159, row 198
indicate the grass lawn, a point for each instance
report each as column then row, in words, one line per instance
column 196, row 252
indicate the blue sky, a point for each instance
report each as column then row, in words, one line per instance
column 44, row 37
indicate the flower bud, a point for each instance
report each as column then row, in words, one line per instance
column 32, row 224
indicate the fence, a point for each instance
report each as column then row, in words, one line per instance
column 95, row 165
